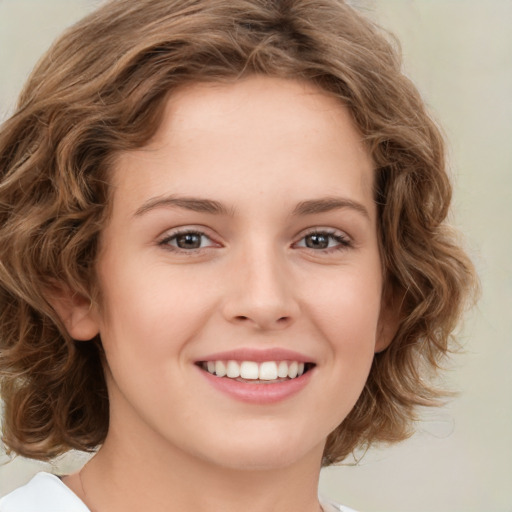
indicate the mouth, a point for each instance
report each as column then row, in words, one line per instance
column 255, row 372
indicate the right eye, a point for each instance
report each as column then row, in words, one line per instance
column 187, row 241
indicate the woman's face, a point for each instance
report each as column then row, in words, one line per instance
column 243, row 238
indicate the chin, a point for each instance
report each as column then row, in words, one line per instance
column 261, row 455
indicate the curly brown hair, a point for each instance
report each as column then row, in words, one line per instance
column 100, row 90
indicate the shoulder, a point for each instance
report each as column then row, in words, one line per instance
column 330, row 506
column 44, row 493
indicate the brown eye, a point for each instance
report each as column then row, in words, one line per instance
column 324, row 240
column 317, row 241
column 189, row 241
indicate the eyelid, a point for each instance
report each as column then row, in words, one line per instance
column 344, row 240
column 184, row 230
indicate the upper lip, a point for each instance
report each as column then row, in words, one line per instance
column 258, row 355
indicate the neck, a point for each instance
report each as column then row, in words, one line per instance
column 129, row 478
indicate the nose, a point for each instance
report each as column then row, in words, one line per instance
column 261, row 293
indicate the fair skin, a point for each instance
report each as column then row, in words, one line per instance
column 246, row 226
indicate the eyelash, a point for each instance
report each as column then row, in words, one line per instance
column 174, row 236
column 342, row 240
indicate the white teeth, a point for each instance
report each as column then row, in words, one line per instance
column 251, row 370
column 220, row 369
column 268, row 371
column 293, row 369
column 233, row 370
column 282, row 370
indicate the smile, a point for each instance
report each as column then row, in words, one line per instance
column 256, row 372
column 258, row 376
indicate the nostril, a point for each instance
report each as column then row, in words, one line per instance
column 263, row 321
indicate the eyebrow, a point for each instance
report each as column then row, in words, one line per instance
column 187, row 203
column 309, row 207
column 327, row 204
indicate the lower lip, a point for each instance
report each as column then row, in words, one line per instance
column 258, row 393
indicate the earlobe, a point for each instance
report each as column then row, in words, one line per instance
column 75, row 312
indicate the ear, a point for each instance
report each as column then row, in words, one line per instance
column 75, row 312
column 389, row 320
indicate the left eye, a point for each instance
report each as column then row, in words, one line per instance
column 188, row 240
column 323, row 240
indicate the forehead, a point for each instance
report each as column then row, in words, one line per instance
column 271, row 133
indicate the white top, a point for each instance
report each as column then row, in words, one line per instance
column 44, row 493
column 47, row 493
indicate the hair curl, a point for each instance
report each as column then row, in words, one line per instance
column 100, row 90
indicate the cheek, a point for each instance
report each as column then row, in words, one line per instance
column 347, row 315
column 148, row 307
column 347, row 309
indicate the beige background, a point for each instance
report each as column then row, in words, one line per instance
column 459, row 52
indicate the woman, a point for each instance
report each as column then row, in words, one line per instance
column 224, row 261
